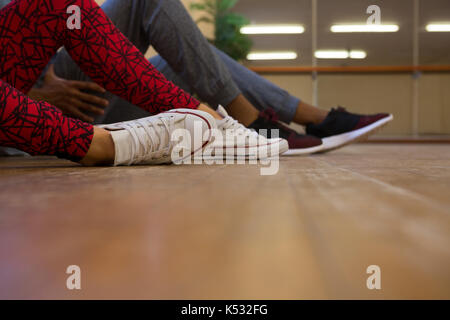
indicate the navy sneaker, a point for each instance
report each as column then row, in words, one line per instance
column 341, row 127
column 298, row 143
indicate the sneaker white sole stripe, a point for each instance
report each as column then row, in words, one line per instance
column 303, row 151
column 249, row 152
column 340, row 140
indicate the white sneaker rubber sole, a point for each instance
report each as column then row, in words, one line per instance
column 343, row 139
column 303, row 151
column 247, row 152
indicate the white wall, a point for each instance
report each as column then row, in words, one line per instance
column 371, row 93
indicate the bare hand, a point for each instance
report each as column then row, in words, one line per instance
column 68, row 96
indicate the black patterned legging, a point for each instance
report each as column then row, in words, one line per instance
column 31, row 31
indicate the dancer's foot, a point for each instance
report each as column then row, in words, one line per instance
column 238, row 142
column 341, row 127
column 149, row 140
column 298, row 143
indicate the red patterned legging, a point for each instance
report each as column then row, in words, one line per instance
column 31, row 31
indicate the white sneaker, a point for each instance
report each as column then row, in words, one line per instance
column 234, row 141
column 149, row 140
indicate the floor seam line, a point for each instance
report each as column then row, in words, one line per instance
column 405, row 192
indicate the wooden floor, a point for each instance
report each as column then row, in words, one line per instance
column 226, row 232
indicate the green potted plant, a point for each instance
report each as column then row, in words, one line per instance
column 227, row 25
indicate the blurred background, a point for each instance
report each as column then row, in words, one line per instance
column 419, row 101
column 405, row 71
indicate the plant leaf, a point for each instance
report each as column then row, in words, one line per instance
column 236, row 19
column 227, row 27
column 225, row 5
column 197, row 6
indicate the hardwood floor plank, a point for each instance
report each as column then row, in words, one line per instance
column 225, row 231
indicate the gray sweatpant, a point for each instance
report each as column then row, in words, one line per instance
column 185, row 57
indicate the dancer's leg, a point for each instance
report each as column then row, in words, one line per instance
column 32, row 30
column 169, row 28
column 188, row 53
column 207, row 70
column 41, row 129
column 260, row 92
column 30, row 33
column 195, row 68
column 123, row 15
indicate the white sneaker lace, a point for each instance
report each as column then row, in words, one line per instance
column 141, row 148
column 231, row 126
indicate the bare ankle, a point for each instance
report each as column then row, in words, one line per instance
column 242, row 110
column 101, row 151
column 307, row 114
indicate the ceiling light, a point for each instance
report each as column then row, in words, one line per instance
column 273, row 29
column 358, row 54
column 438, row 27
column 279, row 55
column 346, row 28
column 331, row 54
column 340, row 54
